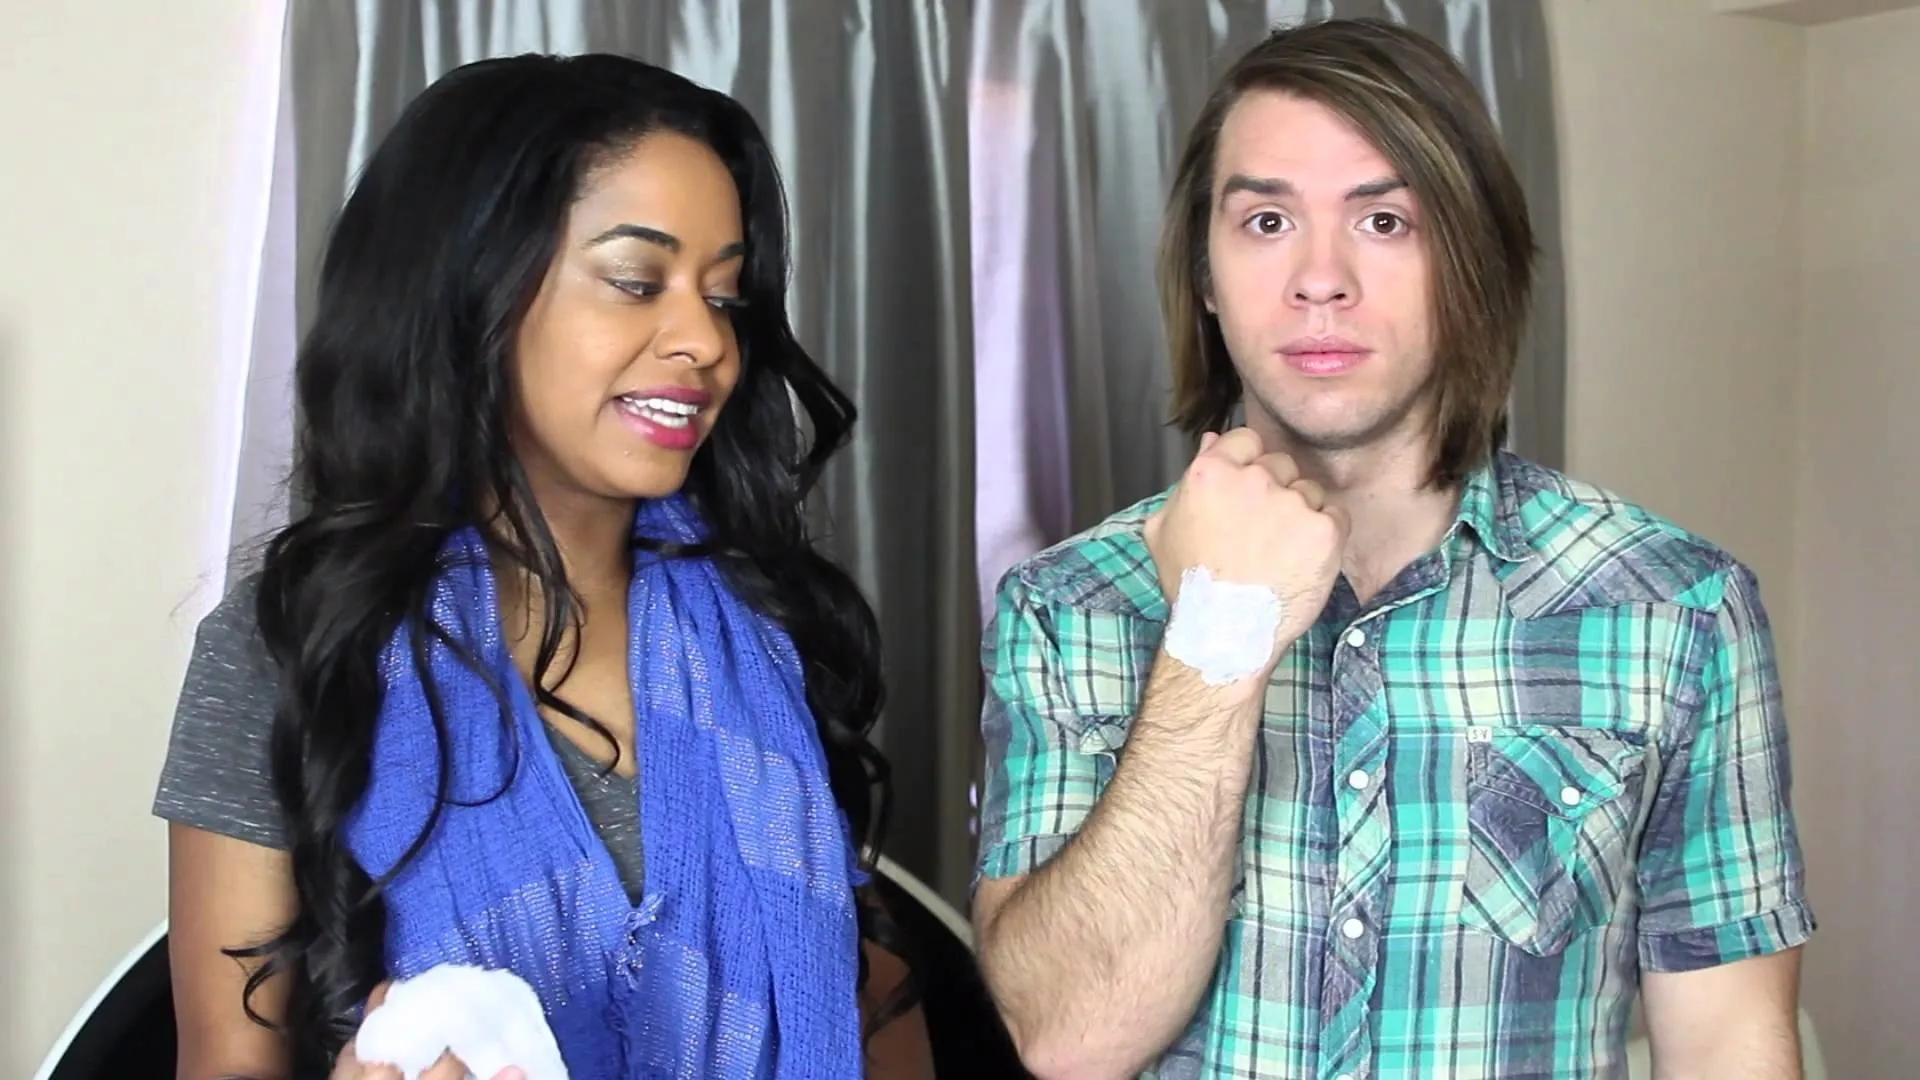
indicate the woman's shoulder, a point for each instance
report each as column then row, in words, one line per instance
column 230, row 659
column 234, row 613
column 218, row 774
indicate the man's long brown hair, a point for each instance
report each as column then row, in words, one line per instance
column 1413, row 102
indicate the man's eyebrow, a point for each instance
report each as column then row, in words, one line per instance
column 1266, row 186
column 1374, row 188
column 1273, row 187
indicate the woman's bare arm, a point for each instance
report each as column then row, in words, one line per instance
column 225, row 894
column 900, row 1050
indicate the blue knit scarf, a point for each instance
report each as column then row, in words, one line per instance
column 740, row 961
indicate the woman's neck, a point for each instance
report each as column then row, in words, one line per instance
column 594, row 539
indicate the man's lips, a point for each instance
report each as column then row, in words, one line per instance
column 1324, row 355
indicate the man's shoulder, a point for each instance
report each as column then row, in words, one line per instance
column 1590, row 545
column 1106, row 568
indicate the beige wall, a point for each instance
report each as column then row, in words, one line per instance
column 1700, row 368
column 1681, row 162
column 120, row 199
column 1857, row 537
column 1743, row 238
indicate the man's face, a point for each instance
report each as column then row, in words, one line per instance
column 1320, row 277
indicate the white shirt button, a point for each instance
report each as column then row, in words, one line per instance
column 1352, row 928
column 1570, row 795
column 1356, row 637
column 1358, row 779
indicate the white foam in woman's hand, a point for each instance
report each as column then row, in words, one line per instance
column 489, row 1019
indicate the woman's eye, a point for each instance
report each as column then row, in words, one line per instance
column 643, row 289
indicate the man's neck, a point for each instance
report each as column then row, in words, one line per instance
column 1395, row 518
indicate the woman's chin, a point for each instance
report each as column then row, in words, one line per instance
column 621, row 481
column 651, row 481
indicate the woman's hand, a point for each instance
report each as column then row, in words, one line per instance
column 349, row 1067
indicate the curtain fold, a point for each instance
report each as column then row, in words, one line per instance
column 1077, row 124
column 864, row 103
column 265, row 432
column 976, row 188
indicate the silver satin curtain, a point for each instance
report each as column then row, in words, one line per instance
column 976, row 189
column 864, row 103
column 1077, row 121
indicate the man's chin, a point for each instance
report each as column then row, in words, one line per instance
column 1337, row 441
column 1332, row 435
column 1334, row 430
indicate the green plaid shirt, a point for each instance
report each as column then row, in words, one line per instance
column 1548, row 756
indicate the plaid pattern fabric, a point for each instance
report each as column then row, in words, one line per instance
column 1548, row 756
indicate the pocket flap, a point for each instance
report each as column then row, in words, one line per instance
column 1563, row 771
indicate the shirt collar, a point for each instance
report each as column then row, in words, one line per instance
column 1490, row 507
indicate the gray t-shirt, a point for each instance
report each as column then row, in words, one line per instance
column 218, row 777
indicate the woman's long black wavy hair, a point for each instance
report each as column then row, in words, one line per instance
column 403, row 388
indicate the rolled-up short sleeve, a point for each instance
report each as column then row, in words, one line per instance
column 1721, row 873
column 1040, row 783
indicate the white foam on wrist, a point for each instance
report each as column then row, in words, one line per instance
column 489, row 1019
column 1224, row 630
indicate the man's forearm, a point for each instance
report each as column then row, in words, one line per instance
column 1099, row 958
column 1736, row 1020
column 1765, row 1049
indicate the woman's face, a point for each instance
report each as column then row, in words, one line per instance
column 628, row 352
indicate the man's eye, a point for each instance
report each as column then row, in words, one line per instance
column 1266, row 223
column 1386, row 223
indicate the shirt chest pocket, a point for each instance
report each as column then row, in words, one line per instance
column 1551, row 813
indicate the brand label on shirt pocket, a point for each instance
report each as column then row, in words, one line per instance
column 1550, row 814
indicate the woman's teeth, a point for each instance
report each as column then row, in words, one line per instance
column 662, row 411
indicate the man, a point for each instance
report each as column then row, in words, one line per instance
column 1371, row 750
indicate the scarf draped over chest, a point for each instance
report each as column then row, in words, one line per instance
column 741, row 958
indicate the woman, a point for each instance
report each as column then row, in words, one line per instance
column 546, row 676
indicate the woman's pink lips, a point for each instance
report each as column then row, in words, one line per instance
column 667, row 438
